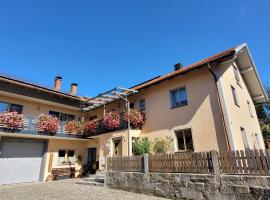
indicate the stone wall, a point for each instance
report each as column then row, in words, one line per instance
column 191, row 186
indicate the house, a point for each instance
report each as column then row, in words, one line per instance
column 204, row 106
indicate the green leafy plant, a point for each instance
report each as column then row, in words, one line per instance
column 162, row 145
column 141, row 146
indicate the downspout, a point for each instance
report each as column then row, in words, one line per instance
column 220, row 106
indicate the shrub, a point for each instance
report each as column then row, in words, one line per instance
column 111, row 120
column 136, row 118
column 162, row 145
column 73, row 128
column 91, row 126
column 47, row 124
column 11, row 121
column 141, row 146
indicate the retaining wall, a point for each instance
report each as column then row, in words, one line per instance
column 191, row 186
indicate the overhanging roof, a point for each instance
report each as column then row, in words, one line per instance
column 250, row 74
column 108, row 97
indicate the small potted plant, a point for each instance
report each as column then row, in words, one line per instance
column 90, row 127
column 136, row 118
column 47, row 125
column 11, row 121
column 111, row 120
column 73, row 128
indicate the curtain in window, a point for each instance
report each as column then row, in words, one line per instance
column 183, row 96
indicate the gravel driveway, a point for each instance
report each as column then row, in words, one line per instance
column 65, row 190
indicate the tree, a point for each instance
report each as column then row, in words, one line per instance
column 263, row 112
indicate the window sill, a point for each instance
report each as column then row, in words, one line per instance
column 179, row 106
column 183, row 151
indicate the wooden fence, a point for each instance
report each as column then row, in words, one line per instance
column 125, row 163
column 254, row 162
column 181, row 162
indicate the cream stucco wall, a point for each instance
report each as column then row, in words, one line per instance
column 104, row 144
column 239, row 116
column 202, row 114
column 54, row 145
column 35, row 108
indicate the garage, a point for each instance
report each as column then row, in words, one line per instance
column 20, row 160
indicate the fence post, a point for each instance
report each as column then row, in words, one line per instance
column 145, row 164
column 215, row 162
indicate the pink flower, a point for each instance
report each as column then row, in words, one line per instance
column 91, row 126
column 47, row 124
column 136, row 118
column 73, row 127
column 11, row 120
column 111, row 120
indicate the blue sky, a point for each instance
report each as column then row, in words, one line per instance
column 103, row 44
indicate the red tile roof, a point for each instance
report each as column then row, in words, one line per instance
column 185, row 69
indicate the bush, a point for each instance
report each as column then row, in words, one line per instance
column 141, row 146
column 111, row 120
column 162, row 145
column 73, row 128
column 91, row 126
column 11, row 121
column 47, row 124
column 136, row 118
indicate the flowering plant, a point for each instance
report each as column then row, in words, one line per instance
column 91, row 126
column 111, row 120
column 47, row 124
column 73, row 127
column 12, row 121
column 137, row 118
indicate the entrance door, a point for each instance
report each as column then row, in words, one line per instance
column 92, row 155
column 92, row 164
column 117, row 147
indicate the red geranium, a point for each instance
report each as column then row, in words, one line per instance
column 47, row 124
column 91, row 126
column 73, row 127
column 11, row 121
column 111, row 120
column 136, row 118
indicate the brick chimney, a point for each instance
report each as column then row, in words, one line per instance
column 57, row 83
column 73, row 89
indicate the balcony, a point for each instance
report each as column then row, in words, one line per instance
column 29, row 128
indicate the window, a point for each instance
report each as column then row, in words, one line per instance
column 142, row 104
column 249, row 109
column 62, row 116
column 236, row 74
column 131, row 105
column 245, row 139
column 235, row 96
column 10, row 107
column 184, row 140
column 178, row 97
column 66, row 157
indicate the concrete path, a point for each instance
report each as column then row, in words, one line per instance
column 65, row 190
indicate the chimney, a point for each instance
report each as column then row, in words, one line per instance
column 57, row 83
column 177, row 66
column 73, row 89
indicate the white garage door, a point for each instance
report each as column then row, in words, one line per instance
column 20, row 161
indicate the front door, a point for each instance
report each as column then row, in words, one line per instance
column 92, row 153
column 117, row 147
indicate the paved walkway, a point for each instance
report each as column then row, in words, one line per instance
column 65, row 190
